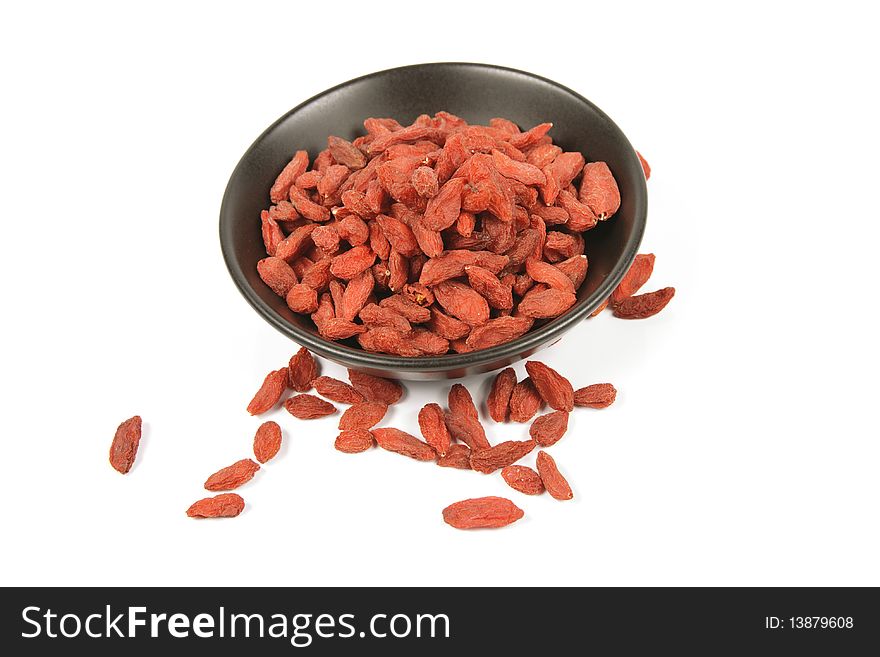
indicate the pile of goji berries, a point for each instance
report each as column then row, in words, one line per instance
column 437, row 236
column 453, row 437
column 477, row 232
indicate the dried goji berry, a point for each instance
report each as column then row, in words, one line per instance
column 346, row 153
column 433, row 428
column 644, row 305
column 308, row 407
column 272, row 234
column 457, row 456
column 467, row 430
column 547, row 429
column 267, row 441
column 545, row 303
column 637, row 275
column 363, row 415
column 554, row 388
column 443, row 209
column 302, row 299
column 599, row 190
column 481, row 513
column 523, row 479
column 225, row 505
column 462, row 302
column 553, row 480
column 233, row 476
column 575, row 268
column 461, row 403
column 395, row 440
column 337, row 390
column 498, row 401
column 374, row 388
column 598, row 395
column 500, row 455
column 302, row 370
column 447, row 327
column 489, row 287
column 424, row 180
column 413, row 312
column 353, row 262
column 525, row 401
column 269, row 393
column 295, row 168
column 354, row 441
column 498, row 331
column 124, row 448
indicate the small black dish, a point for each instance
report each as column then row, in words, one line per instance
column 476, row 92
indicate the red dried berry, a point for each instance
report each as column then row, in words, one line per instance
column 293, row 170
column 336, row 390
column 554, row 388
column 433, row 428
column 308, row 407
column 374, row 388
column 353, row 262
column 598, row 395
column 395, row 440
column 457, row 456
column 500, row 455
column 462, row 302
column 599, row 190
column 498, row 401
column 354, row 441
column 461, row 403
column 547, row 429
column 498, row 331
column 637, row 275
column 277, row 274
column 301, row 371
column 267, row 441
column 233, row 476
column 523, row 479
column 546, row 303
column 124, row 448
column 269, row 393
column 482, row 513
column 364, row 415
column 467, row 430
column 553, row 480
column 644, row 305
column 346, row 153
column 525, row 401
column 226, row 505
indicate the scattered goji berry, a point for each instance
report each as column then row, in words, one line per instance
column 598, row 395
column 124, row 448
column 225, row 505
column 267, row 441
column 269, row 393
column 308, row 407
column 523, row 479
column 554, row 388
column 482, row 513
column 233, row 476
column 644, row 305
column 553, row 480
column 547, row 429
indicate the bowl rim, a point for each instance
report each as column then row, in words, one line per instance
column 508, row 351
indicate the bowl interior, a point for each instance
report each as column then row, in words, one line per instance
column 477, row 93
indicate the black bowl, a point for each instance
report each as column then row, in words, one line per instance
column 476, row 92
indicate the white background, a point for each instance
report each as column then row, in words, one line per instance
column 742, row 449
